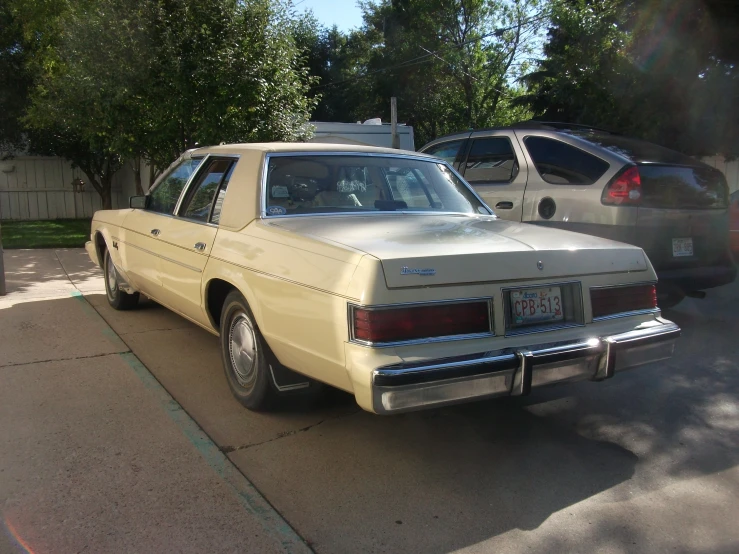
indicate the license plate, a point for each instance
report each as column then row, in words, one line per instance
column 682, row 247
column 539, row 305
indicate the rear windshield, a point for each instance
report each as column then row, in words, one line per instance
column 665, row 186
column 636, row 150
column 311, row 184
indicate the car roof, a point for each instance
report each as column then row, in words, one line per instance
column 299, row 147
column 633, row 149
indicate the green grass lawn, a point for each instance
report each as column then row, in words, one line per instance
column 57, row 233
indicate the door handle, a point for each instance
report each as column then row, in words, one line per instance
column 504, row 205
column 155, row 232
column 200, row 246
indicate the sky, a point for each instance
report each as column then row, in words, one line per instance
column 344, row 13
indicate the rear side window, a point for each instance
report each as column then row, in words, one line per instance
column 163, row 198
column 202, row 194
column 561, row 164
column 490, row 160
column 447, row 151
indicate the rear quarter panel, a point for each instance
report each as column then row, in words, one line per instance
column 297, row 289
column 576, row 204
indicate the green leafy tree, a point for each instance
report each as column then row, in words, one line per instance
column 15, row 82
column 146, row 80
column 453, row 64
column 659, row 70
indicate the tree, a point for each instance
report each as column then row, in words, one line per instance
column 453, row 64
column 627, row 65
column 15, row 82
column 147, row 80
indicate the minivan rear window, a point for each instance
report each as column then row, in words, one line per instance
column 682, row 187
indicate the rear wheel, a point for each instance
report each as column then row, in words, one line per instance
column 117, row 298
column 255, row 376
column 244, row 355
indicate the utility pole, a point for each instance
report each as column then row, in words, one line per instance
column 3, row 291
column 394, row 122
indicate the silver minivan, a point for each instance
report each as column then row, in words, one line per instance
column 600, row 183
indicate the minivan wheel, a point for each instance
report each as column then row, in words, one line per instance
column 669, row 300
column 117, row 298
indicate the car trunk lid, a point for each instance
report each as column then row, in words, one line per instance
column 445, row 249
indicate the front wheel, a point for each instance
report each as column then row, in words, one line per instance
column 117, row 298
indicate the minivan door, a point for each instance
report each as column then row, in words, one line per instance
column 494, row 165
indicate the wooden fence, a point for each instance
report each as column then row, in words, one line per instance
column 33, row 188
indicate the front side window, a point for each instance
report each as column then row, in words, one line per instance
column 200, row 200
column 305, row 184
column 163, row 198
column 561, row 164
column 447, row 151
column 490, row 160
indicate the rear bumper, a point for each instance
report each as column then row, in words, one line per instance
column 512, row 372
column 695, row 278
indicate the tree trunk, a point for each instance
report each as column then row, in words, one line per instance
column 137, row 176
column 106, row 196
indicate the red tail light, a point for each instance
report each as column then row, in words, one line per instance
column 420, row 322
column 624, row 189
column 618, row 300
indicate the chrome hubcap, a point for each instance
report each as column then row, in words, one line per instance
column 112, row 277
column 242, row 346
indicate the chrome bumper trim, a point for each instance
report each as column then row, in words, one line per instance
column 514, row 372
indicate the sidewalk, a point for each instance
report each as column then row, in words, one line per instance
column 94, row 454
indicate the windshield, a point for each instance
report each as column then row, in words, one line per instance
column 310, row 184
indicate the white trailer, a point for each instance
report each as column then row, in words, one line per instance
column 370, row 133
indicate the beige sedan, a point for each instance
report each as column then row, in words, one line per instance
column 377, row 272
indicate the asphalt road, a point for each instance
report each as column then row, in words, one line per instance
column 646, row 462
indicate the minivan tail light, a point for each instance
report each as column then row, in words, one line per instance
column 609, row 301
column 624, row 189
column 408, row 323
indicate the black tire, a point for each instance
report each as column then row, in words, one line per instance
column 247, row 374
column 118, row 299
column 256, row 387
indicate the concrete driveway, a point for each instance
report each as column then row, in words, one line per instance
column 646, row 462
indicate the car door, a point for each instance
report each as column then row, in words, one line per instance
column 494, row 165
column 187, row 239
column 142, row 228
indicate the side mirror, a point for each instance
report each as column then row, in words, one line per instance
column 138, row 202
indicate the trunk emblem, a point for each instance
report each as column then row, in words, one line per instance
column 405, row 270
column 540, row 265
